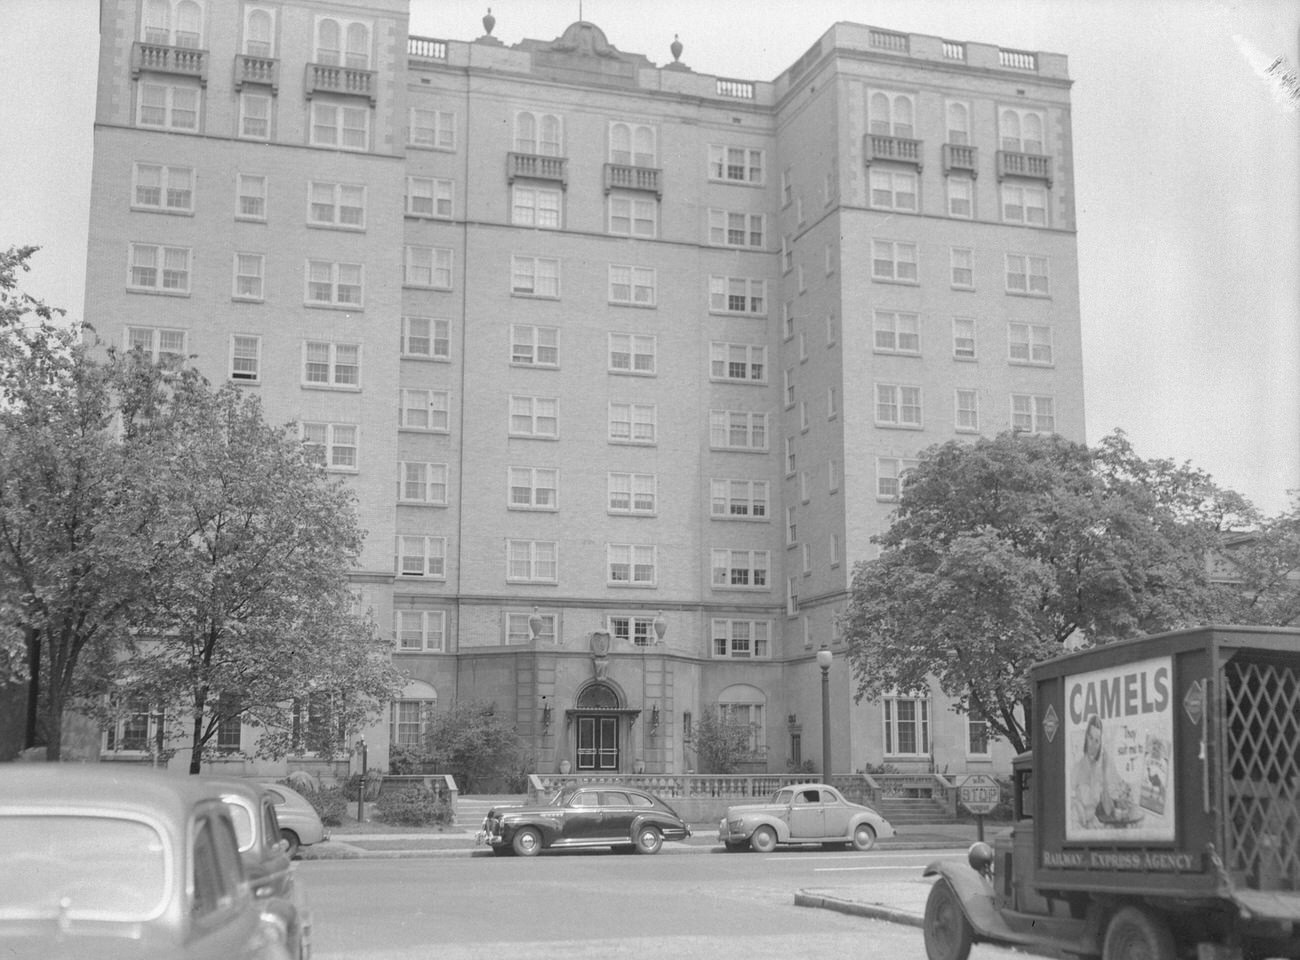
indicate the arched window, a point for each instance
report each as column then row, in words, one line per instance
column 1033, row 133
column 327, row 42
column 958, row 124
column 358, row 46
column 743, row 704
column 903, row 126
column 157, row 22
column 643, row 147
column 620, row 143
column 1010, row 123
column 257, row 38
column 525, row 133
column 189, row 19
column 632, row 145
column 597, row 696
column 549, row 142
column 409, row 715
column 880, row 115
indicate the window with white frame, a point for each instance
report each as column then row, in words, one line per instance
column 428, row 410
column 422, row 557
column 430, row 197
column 160, row 345
column 408, row 721
column 632, row 144
column 977, row 735
column 1029, row 343
column 738, row 362
column 534, row 417
column 833, row 471
column 832, row 402
column 343, row 43
column 426, row 337
column 254, row 115
column 230, row 728
column 736, row 499
column 259, row 31
column 963, row 338
column 957, row 116
column 787, row 187
column 1033, row 414
column 907, row 727
column 803, row 415
column 897, row 332
column 791, row 460
column 632, row 215
column 738, row 430
column 336, row 205
column 156, row 268
column 835, row 553
column 891, row 114
column 427, row 267
column 894, row 260
column 632, row 422
column 533, row 488
column 898, row 405
column 890, row 472
column 535, row 206
column 741, row 295
column 740, row 569
column 791, row 526
column 422, row 483
column 162, row 188
column 832, row 333
column 172, row 23
column 519, row 629
column 250, row 197
column 735, row 164
column 338, row 124
column 787, row 320
column 333, row 284
column 534, row 346
column 245, row 358
column 741, row 639
column 806, row 558
column 420, row 631
column 632, row 493
column 317, row 726
column 967, row 411
column 334, row 444
column 637, row 631
column 791, row 597
column 532, row 561
column 961, row 264
column 747, row 715
column 250, row 274
column 961, row 197
column 138, row 728
column 632, row 286
column 329, row 364
column 1020, row 131
column 535, row 277
column 893, row 189
column 787, row 253
column 539, row 133
column 168, row 106
column 630, row 564
column 1024, row 203
column 787, row 388
column 632, row 353
column 728, row 228
column 435, row 129
column 1027, row 274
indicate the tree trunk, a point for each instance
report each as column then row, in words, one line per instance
column 196, row 751
column 54, row 724
column 33, row 686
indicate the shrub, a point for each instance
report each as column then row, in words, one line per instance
column 352, row 785
column 413, row 807
column 330, row 802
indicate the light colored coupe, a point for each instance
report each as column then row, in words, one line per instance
column 803, row 813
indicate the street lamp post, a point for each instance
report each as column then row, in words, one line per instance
column 824, row 658
column 361, row 788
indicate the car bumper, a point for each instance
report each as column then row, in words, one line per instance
column 732, row 832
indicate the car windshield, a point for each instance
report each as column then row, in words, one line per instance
column 561, row 799
column 88, row 867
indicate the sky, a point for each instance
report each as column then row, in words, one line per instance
column 1186, row 159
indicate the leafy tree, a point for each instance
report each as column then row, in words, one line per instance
column 472, row 743
column 721, row 743
column 1002, row 550
column 1261, row 568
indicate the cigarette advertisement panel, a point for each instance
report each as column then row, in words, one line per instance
column 1119, row 776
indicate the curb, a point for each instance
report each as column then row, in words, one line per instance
column 857, row 908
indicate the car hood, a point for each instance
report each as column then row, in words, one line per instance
column 41, row 939
column 742, row 809
column 540, row 810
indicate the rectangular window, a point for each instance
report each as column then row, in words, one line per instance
column 250, row 197
column 832, row 403
column 534, row 417
column 633, row 216
column 743, row 639
column 427, row 267
column 159, row 345
column 806, row 561
column 907, row 727
column 432, row 128
column 420, row 631
column 336, row 205
column 835, row 556
column 741, row 569
column 791, row 459
column 1027, row 274
column 429, row 197
column 632, row 286
column 897, row 332
column 408, row 722
column 254, row 116
column 747, row 715
column 963, row 338
column 519, row 630
column 733, row 229
column 738, row 430
column 1024, row 204
column 791, row 526
column 424, row 483
column 159, row 269
column 893, row 189
column 427, row 337
column 787, row 378
column 428, row 410
column 534, row 346
column 634, row 493
column 328, row 364
column 738, row 499
column 230, row 726
column 535, row 277
column 245, row 358
column 1031, row 414
column 630, row 564
column 898, row 405
column 334, row 444
column 250, row 269
column 791, row 597
column 339, row 125
column 632, row 423
column 422, row 557
column 138, row 729
column 533, row 488
column 637, row 631
column 833, row 475
column 632, row 353
column 1029, row 343
column 168, row 106
column 334, row 284
column 889, row 476
column 532, row 561
column 977, row 735
column 962, row 266
column 737, row 362
column 163, row 188
column 894, row 260
column 961, row 193
column 735, row 164
column 535, row 207
column 967, row 409
column 738, row 295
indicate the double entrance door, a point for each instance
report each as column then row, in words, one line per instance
column 598, row 742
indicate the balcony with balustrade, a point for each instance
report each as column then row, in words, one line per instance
column 264, row 71
column 1031, row 166
column 343, row 81
column 534, row 166
column 892, row 149
column 161, row 58
column 622, row 176
column 960, row 158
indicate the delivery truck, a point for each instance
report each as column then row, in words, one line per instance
column 1157, row 814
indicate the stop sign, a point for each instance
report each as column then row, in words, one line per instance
column 979, row 793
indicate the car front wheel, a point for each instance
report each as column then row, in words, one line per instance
column 947, row 932
column 864, row 838
column 763, row 840
column 527, row 842
column 1135, row 934
column 648, row 840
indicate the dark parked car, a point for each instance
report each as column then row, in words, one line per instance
column 586, row 815
column 105, row 861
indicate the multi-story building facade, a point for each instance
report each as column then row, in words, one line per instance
column 625, row 361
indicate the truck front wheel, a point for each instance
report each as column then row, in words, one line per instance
column 947, row 931
column 1135, row 934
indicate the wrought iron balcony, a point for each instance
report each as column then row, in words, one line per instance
column 623, row 176
column 1034, row 166
column 897, row 149
column 160, row 58
column 535, row 166
column 348, row 81
column 261, row 70
column 961, row 157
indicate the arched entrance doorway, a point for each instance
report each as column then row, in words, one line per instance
column 598, row 718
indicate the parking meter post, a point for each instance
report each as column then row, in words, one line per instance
column 979, row 827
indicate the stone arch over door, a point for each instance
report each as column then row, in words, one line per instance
column 600, row 728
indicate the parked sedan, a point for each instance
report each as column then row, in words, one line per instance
column 104, row 861
column 585, row 815
column 802, row 813
column 300, row 824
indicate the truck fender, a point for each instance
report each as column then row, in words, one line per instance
column 975, row 893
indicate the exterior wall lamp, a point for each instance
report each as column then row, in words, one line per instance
column 654, row 719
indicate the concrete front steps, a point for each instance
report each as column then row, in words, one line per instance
column 907, row 811
column 470, row 811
